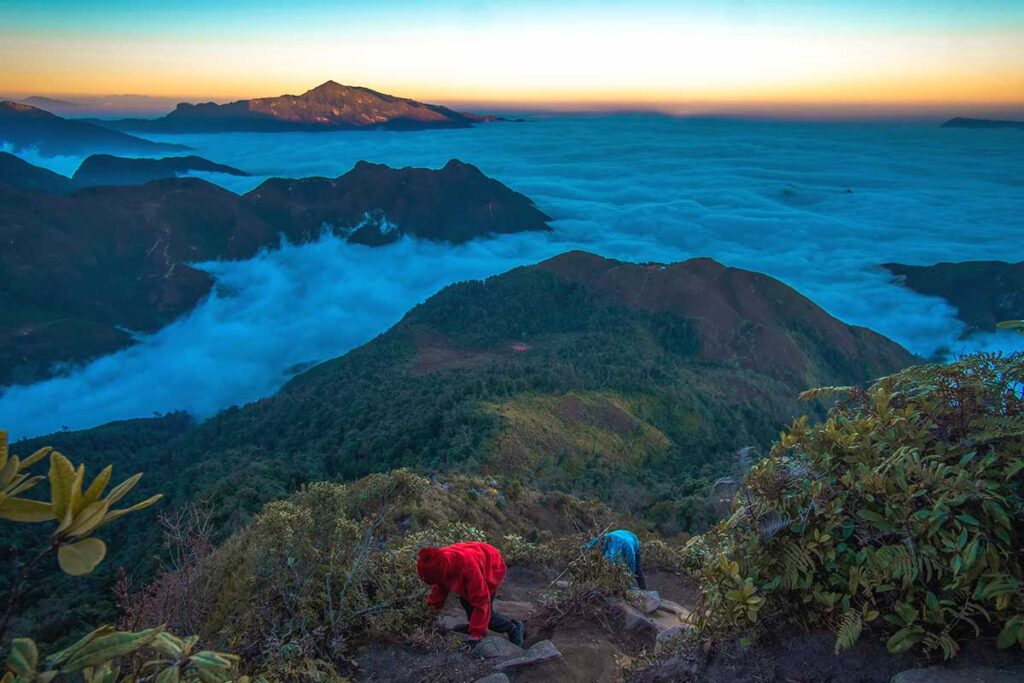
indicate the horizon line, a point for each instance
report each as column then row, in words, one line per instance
column 810, row 108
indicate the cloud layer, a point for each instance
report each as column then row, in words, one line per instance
column 816, row 205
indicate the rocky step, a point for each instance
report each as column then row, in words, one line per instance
column 543, row 651
column 497, row 647
column 658, row 626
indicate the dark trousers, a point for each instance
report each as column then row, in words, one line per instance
column 499, row 622
column 641, row 582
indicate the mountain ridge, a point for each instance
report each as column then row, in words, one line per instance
column 328, row 106
column 106, row 169
column 533, row 375
column 968, row 122
column 984, row 293
column 24, row 126
column 81, row 268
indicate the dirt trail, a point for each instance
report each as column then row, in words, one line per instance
column 596, row 646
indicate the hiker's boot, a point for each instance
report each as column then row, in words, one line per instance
column 518, row 633
column 461, row 628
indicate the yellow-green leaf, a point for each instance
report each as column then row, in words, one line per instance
column 169, row 675
column 24, row 510
column 168, row 644
column 75, row 502
column 35, row 457
column 109, row 647
column 24, row 657
column 189, row 643
column 9, row 471
column 81, row 557
column 24, row 483
column 95, row 490
column 62, row 475
column 3, row 448
column 105, row 673
column 88, row 519
column 122, row 489
column 115, row 515
column 70, row 651
column 212, row 660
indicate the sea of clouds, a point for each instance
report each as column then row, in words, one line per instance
column 817, row 205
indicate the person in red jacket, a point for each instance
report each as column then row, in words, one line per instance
column 473, row 571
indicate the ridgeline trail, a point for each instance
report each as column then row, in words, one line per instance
column 598, row 639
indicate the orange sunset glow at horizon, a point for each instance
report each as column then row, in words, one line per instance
column 673, row 57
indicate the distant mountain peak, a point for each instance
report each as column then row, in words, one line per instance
column 328, row 106
column 20, row 109
column 330, row 86
column 968, row 122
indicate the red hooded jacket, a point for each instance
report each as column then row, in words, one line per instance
column 473, row 571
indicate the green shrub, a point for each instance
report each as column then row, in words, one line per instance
column 314, row 576
column 902, row 513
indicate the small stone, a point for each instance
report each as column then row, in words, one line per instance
column 493, row 678
column 673, row 607
column 665, row 638
column 543, row 651
column 646, row 601
column 635, row 621
column 678, row 611
column 966, row 674
column 495, row 647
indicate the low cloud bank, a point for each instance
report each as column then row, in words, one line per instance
column 816, row 205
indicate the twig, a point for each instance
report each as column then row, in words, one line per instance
column 583, row 553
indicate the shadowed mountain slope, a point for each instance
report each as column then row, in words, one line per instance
column 21, row 175
column 983, row 292
column 104, row 169
column 78, row 269
column 23, row 126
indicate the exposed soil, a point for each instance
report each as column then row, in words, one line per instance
column 434, row 353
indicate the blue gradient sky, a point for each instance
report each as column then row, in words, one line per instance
column 783, row 53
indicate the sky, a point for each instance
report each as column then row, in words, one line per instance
column 682, row 56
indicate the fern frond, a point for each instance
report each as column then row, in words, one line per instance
column 770, row 524
column 896, row 561
column 943, row 642
column 848, row 633
column 796, row 560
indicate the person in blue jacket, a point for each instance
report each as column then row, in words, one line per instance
column 622, row 546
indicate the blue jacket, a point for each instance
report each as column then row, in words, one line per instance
column 619, row 546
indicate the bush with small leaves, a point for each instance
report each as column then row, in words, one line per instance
column 902, row 514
